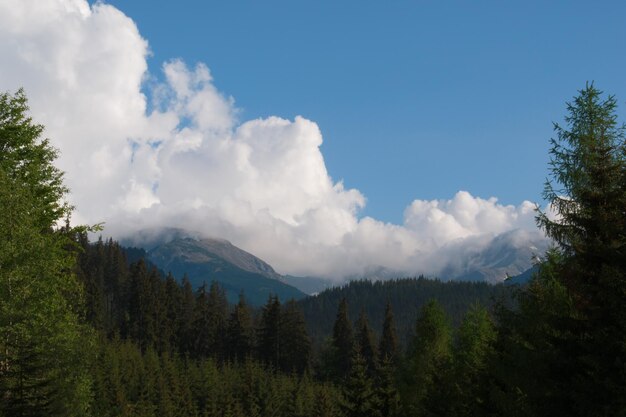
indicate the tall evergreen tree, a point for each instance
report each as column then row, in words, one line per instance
column 358, row 393
column 386, row 393
column 269, row 332
column 240, row 332
column 587, row 190
column 366, row 342
column 388, row 347
column 43, row 345
column 217, row 306
column 342, row 342
column 427, row 359
column 295, row 345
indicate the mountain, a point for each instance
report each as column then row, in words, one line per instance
column 522, row 278
column 481, row 259
column 205, row 260
column 309, row 285
column 508, row 254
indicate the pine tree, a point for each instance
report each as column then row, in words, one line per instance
column 428, row 357
column 217, row 306
column 324, row 405
column 389, row 340
column 44, row 347
column 587, row 190
column 185, row 324
column 295, row 345
column 269, row 333
column 358, row 394
column 342, row 342
column 386, row 393
column 366, row 342
column 240, row 332
column 463, row 391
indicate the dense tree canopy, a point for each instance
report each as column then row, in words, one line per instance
column 95, row 329
column 43, row 367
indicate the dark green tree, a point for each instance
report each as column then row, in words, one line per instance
column 587, row 190
column 269, row 332
column 388, row 347
column 359, row 399
column 44, row 347
column 342, row 342
column 366, row 342
column 240, row 332
column 218, row 315
column 427, row 359
column 295, row 345
column 463, row 391
column 386, row 393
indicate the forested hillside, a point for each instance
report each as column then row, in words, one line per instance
column 92, row 329
column 405, row 296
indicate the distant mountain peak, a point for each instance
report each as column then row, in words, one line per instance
column 206, row 259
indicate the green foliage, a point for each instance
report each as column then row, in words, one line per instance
column 366, row 343
column 269, row 333
column 405, row 296
column 43, row 345
column 239, row 332
column 430, row 353
column 295, row 349
column 342, row 343
column 388, row 348
column 569, row 330
column 358, row 393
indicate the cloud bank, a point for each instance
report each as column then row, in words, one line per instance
column 140, row 153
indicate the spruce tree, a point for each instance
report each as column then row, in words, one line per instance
column 295, row 345
column 44, row 346
column 217, row 306
column 388, row 347
column 269, row 333
column 587, row 190
column 239, row 332
column 342, row 342
column 366, row 342
column 358, row 392
column 386, row 393
column 428, row 357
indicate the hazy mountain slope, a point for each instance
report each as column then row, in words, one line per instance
column 207, row 260
column 509, row 254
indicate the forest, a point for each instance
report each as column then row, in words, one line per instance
column 93, row 329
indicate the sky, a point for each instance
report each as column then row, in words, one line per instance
column 404, row 89
column 326, row 138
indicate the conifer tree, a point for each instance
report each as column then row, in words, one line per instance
column 269, row 332
column 217, row 308
column 366, row 342
column 295, row 345
column 43, row 344
column 386, row 393
column 572, row 318
column 342, row 342
column 389, row 339
column 324, row 405
column 358, row 393
column 428, row 357
column 185, row 323
column 240, row 332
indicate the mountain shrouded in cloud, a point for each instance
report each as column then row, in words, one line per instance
column 141, row 153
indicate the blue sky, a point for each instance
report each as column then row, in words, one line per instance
column 415, row 99
column 427, row 109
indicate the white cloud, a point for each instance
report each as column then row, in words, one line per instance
column 191, row 163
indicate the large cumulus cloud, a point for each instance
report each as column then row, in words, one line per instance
column 179, row 156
